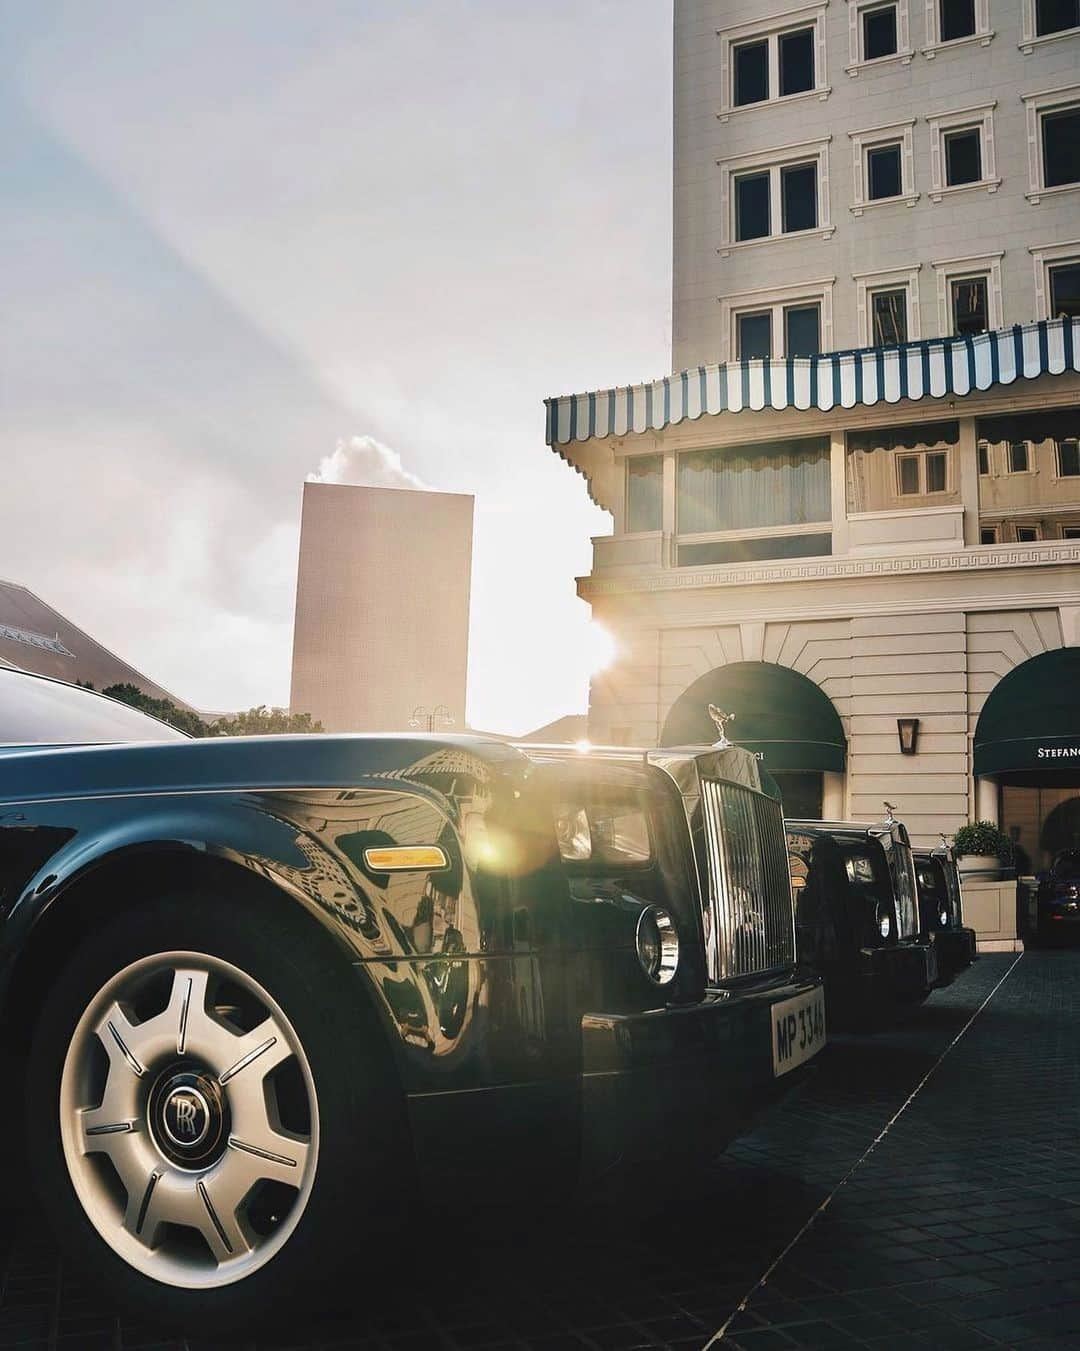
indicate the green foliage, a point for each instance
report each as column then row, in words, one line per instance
column 263, row 721
column 983, row 839
column 165, row 709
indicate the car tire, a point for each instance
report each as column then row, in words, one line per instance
column 311, row 1123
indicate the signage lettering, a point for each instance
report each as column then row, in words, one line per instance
column 1058, row 752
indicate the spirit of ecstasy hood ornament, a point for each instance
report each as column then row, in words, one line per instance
column 890, row 818
column 721, row 720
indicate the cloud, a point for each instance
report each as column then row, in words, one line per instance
column 365, row 462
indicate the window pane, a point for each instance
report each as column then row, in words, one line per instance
column 879, row 33
column 936, row 472
column 984, row 458
column 644, row 492
column 1027, row 534
column 1069, row 459
column 988, row 534
column 883, row 171
column 1061, row 148
column 969, row 305
column 780, row 483
column 754, row 336
column 1070, row 532
column 963, row 157
column 1065, row 291
column 752, row 206
column 889, row 310
column 797, row 61
column 798, row 186
column 909, row 474
column 1018, row 457
column 802, row 337
column 1052, row 16
column 957, row 19
column 751, row 73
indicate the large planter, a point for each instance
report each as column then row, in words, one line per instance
column 979, row 865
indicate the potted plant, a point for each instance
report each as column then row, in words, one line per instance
column 981, row 848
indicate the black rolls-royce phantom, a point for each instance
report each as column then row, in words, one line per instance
column 260, row 992
column 857, row 915
column 941, row 911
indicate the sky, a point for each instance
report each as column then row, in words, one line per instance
column 253, row 242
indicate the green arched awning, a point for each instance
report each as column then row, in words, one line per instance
column 1031, row 719
column 780, row 715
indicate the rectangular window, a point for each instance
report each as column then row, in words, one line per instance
column 644, row 492
column 753, row 336
column 1068, row 458
column 963, row 157
column 984, row 458
column 908, row 471
column 1055, row 16
column 752, row 206
column 751, row 61
column 1070, row 532
column 988, row 534
column 1027, row 534
column 796, row 58
column 743, row 487
column 879, row 32
column 883, row 171
column 1018, row 457
column 798, row 197
column 936, row 471
column 1061, row 148
column 802, row 330
column 957, row 19
column 1065, row 291
column 889, row 311
column 969, row 305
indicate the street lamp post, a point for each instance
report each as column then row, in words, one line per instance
column 430, row 719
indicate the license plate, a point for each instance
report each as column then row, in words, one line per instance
column 798, row 1030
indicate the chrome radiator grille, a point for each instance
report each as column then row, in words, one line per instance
column 752, row 921
column 907, row 905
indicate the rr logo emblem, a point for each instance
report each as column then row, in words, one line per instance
column 185, row 1118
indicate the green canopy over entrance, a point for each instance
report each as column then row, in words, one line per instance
column 780, row 715
column 1031, row 719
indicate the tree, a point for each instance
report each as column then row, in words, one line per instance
column 186, row 719
column 263, row 721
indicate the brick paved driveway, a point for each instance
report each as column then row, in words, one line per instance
column 960, row 1227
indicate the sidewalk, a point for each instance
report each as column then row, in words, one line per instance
column 961, row 1228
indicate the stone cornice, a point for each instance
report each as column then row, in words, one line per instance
column 981, row 559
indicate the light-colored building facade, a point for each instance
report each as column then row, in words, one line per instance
column 857, row 501
column 382, row 608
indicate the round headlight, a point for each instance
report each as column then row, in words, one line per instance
column 657, row 944
column 884, row 923
column 943, row 918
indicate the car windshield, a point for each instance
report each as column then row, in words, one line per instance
column 1067, row 866
column 36, row 712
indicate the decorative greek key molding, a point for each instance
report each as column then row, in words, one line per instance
column 837, row 569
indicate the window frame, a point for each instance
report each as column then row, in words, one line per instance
column 772, row 161
column 873, row 138
column 1045, row 258
column 922, row 454
column 949, row 270
column 629, row 460
column 976, row 117
column 994, row 530
column 987, row 446
column 983, row 34
column 776, row 300
column 1065, row 526
column 1033, row 526
column 888, row 279
column 1037, row 105
column 904, row 53
column 771, row 30
column 1030, row 38
column 1029, row 456
column 1058, row 475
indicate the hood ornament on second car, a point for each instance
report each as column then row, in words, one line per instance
column 721, row 720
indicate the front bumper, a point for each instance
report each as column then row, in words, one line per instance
column 956, row 949
column 907, row 971
column 685, row 1078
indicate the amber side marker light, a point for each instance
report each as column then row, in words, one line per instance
column 422, row 858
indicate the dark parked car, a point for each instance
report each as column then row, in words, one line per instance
column 857, row 917
column 263, row 990
column 941, row 911
column 1058, row 901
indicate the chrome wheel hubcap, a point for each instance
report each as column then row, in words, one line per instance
column 189, row 1120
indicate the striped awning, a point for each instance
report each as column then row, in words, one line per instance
column 936, row 368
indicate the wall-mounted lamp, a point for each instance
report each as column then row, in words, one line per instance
column 908, row 732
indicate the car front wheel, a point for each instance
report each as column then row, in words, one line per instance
column 206, row 1104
